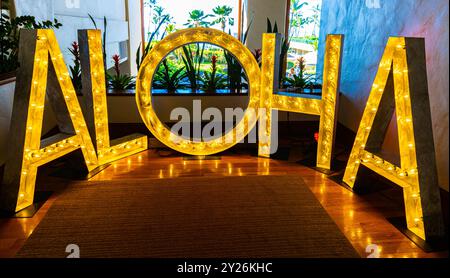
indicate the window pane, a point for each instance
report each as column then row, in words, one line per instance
column 304, row 32
column 218, row 14
column 200, row 68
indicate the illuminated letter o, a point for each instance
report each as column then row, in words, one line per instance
column 144, row 86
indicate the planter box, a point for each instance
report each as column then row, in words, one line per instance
column 122, row 107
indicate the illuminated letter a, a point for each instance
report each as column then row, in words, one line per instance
column 401, row 86
column 37, row 77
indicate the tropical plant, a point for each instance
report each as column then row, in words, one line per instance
column 170, row 28
column 158, row 16
column 168, row 77
column 75, row 70
column 193, row 61
column 223, row 16
column 315, row 18
column 151, row 4
column 197, row 18
column 297, row 20
column 285, row 45
column 272, row 29
column 9, row 38
column 212, row 81
column 105, row 26
column 148, row 47
column 120, row 81
column 236, row 74
column 298, row 80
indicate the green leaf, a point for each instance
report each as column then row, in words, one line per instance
column 138, row 57
column 269, row 26
column 244, row 39
column 93, row 21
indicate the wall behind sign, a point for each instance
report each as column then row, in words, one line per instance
column 73, row 14
column 367, row 26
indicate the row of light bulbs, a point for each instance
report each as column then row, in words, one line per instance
column 406, row 176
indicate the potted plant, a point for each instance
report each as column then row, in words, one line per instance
column 120, row 82
column 192, row 59
column 297, row 80
column 212, row 81
column 237, row 79
column 169, row 77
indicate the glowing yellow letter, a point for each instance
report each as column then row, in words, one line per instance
column 326, row 107
column 144, row 95
column 403, row 71
column 26, row 150
column 96, row 109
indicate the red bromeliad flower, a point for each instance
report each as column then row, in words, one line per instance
column 116, row 59
column 301, row 63
column 214, row 62
column 75, row 46
column 75, row 51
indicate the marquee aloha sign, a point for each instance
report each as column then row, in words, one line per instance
column 43, row 72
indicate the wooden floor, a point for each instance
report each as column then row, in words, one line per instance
column 363, row 219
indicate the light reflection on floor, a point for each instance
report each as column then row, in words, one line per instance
column 363, row 223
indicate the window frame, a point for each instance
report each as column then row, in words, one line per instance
column 288, row 19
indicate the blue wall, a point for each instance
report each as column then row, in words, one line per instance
column 367, row 28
